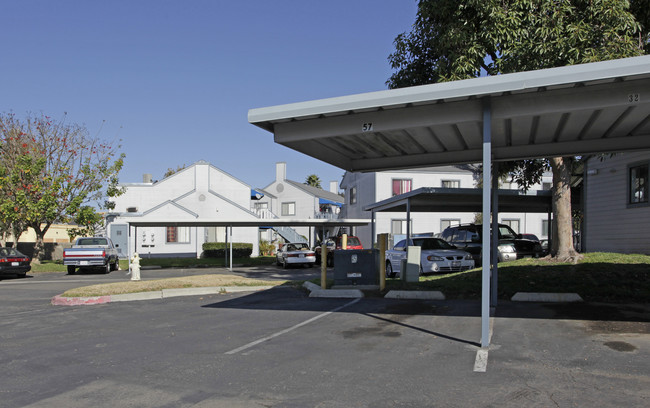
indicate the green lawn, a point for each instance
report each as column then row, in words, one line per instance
column 603, row 277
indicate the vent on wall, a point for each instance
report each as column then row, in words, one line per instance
column 132, row 209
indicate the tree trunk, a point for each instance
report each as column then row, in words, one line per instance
column 39, row 246
column 562, row 243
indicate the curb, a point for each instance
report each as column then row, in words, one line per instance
column 546, row 297
column 160, row 294
column 407, row 294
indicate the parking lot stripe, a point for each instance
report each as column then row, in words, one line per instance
column 313, row 319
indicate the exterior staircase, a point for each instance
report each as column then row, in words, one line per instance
column 287, row 233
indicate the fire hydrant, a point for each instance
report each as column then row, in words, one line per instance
column 135, row 267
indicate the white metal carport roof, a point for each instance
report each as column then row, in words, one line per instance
column 566, row 111
column 574, row 110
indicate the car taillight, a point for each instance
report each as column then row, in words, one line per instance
column 103, row 254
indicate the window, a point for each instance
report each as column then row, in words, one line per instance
column 546, row 186
column 398, row 227
column 288, row 208
column 545, row 228
column 512, row 223
column 451, row 183
column 179, row 235
column 448, row 222
column 638, row 184
column 401, row 186
column 353, row 195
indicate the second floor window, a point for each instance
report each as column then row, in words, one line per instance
column 451, row 183
column 353, row 195
column 638, row 184
column 288, row 209
column 401, row 186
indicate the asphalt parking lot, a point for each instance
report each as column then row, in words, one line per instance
column 280, row 348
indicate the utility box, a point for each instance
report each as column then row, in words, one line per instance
column 411, row 269
column 356, row 267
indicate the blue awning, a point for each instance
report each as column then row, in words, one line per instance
column 325, row 201
column 256, row 195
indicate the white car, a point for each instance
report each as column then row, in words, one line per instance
column 436, row 255
column 295, row 253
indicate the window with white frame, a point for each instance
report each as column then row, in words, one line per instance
column 544, row 228
column 289, row 208
column 512, row 223
column 398, row 227
column 638, row 184
column 178, row 235
column 451, row 183
column 448, row 222
column 401, row 186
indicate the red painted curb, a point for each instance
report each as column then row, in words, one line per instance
column 76, row 301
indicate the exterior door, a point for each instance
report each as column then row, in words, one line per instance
column 120, row 237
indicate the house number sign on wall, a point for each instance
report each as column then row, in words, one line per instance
column 635, row 97
column 366, row 127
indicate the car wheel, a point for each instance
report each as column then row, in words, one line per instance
column 389, row 270
column 330, row 261
column 108, row 268
column 284, row 264
column 70, row 269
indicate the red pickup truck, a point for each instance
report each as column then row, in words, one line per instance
column 336, row 243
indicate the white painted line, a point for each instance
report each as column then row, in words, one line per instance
column 313, row 319
column 480, row 364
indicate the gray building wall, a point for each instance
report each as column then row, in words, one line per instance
column 611, row 223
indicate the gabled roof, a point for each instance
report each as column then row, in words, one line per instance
column 317, row 192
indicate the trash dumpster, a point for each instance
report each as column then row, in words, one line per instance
column 356, row 267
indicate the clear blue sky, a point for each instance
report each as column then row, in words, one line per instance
column 174, row 80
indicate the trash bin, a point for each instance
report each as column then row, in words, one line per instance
column 356, row 267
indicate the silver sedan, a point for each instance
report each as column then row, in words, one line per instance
column 295, row 254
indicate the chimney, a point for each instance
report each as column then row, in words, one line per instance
column 147, row 178
column 334, row 187
column 280, row 171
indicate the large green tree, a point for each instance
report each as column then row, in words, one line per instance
column 453, row 40
column 53, row 172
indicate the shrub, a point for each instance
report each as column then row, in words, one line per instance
column 219, row 249
column 266, row 248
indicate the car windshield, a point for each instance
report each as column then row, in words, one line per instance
column 353, row 241
column 432, row 243
column 506, row 233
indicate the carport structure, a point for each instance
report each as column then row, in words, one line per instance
column 575, row 110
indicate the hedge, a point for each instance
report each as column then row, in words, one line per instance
column 218, row 249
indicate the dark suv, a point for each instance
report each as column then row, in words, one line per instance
column 511, row 245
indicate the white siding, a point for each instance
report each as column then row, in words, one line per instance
column 611, row 224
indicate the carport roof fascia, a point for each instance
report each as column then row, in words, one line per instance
column 528, row 81
column 430, row 199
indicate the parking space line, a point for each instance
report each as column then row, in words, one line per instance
column 313, row 319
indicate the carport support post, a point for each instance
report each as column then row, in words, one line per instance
column 230, row 229
column 383, row 240
column 323, row 261
column 485, row 256
column 494, row 249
